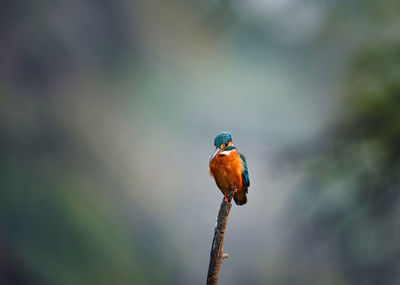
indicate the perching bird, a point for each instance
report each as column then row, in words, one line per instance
column 229, row 168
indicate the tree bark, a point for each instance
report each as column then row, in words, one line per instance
column 216, row 255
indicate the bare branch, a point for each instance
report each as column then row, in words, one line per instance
column 216, row 254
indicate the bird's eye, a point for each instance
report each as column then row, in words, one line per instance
column 226, row 145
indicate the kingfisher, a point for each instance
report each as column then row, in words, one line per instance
column 229, row 169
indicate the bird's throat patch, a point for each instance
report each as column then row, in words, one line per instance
column 225, row 153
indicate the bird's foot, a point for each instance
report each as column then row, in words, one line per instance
column 233, row 187
column 226, row 198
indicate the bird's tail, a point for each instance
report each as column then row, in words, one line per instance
column 240, row 198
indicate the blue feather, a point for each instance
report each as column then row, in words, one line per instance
column 222, row 138
column 245, row 173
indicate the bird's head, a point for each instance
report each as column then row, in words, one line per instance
column 221, row 142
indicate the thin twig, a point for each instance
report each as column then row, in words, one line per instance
column 216, row 254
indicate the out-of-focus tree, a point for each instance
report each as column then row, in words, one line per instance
column 350, row 199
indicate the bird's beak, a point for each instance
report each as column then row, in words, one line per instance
column 216, row 151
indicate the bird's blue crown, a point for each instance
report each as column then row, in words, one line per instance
column 222, row 138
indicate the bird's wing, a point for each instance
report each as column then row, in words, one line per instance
column 245, row 173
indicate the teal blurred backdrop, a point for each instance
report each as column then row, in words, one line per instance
column 108, row 114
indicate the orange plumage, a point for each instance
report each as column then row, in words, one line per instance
column 227, row 169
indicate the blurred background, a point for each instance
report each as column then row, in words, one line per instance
column 108, row 114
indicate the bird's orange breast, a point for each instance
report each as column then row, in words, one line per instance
column 227, row 171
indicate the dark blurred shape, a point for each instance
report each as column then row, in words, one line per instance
column 42, row 43
column 13, row 271
column 350, row 200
